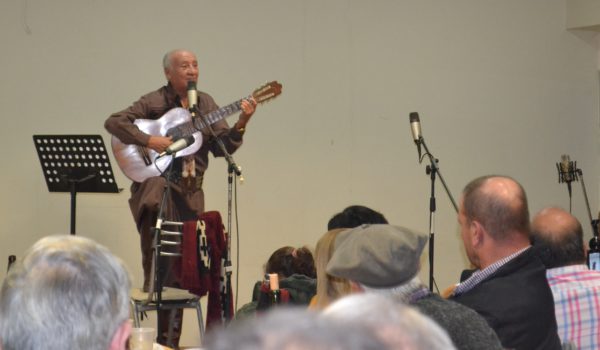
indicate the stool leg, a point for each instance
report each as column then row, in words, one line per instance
column 200, row 320
column 136, row 314
column 171, row 322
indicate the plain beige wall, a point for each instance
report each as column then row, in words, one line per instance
column 501, row 87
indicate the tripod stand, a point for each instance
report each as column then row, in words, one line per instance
column 226, row 288
column 432, row 170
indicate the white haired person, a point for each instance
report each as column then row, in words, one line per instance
column 398, row 325
column 186, row 195
column 294, row 328
column 68, row 292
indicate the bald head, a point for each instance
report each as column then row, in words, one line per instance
column 555, row 223
column 558, row 238
column 499, row 203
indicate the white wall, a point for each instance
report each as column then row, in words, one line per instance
column 501, row 87
column 583, row 14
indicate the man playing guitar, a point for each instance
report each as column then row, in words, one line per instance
column 187, row 198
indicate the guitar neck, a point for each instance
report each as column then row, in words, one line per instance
column 199, row 123
column 216, row 115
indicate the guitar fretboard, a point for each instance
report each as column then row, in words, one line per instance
column 198, row 123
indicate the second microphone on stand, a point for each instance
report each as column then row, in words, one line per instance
column 178, row 145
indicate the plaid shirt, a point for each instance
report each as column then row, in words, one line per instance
column 480, row 275
column 576, row 292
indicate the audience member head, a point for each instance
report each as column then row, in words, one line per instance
column 397, row 325
column 377, row 256
column 355, row 215
column 329, row 287
column 68, row 292
column 558, row 238
column 494, row 218
column 287, row 261
column 293, row 329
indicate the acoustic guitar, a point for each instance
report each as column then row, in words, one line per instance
column 139, row 163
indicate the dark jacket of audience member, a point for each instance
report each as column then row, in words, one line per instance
column 506, row 299
column 509, row 287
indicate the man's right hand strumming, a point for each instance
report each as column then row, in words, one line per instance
column 159, row 143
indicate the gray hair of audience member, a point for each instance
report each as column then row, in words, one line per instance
column 293, row 329
column 498, row 214
column 398, row 325
column 68, row 292
column 557, row 238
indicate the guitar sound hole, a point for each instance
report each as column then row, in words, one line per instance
column 174, row 133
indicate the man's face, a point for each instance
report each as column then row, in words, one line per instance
column 466, row 228
column 184, row 68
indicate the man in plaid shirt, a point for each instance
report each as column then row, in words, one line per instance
column 558, row 239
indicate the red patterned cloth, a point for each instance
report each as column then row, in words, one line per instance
column 198, row 278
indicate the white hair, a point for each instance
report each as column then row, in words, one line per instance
column 68, row 292
column 292, row 329
column 167, row 59
column 398, row 325
column 168, row 56
column 401, row 292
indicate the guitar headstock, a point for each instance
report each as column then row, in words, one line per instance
column 266, row 92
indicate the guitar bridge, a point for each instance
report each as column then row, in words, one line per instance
column 145, row 155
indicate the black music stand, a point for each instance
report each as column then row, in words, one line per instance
column 75, row 163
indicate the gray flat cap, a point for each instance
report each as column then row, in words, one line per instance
column 377, row 256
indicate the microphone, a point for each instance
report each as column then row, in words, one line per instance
column 566, row 168
column 192, row 95
column 415, row 126
column 178, row 145
column 566, row 171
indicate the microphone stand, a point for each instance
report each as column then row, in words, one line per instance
column 432, row 169
column 232, row 169
column 594, row 242
column 594, row 223
column 568, row 173
column 158, row 282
